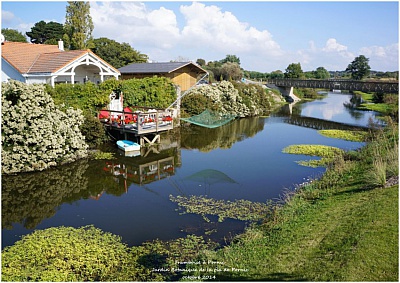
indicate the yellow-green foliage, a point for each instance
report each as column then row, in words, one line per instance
column 327, row 153
column 356, row 136
column 313, row 150
column 64, row 254
column 100, row 155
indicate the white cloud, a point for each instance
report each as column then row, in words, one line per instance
column 333, row 46
column 386, row 57
column 332, row 56
column 7, row 17
column 222, row 31
column 146, row 31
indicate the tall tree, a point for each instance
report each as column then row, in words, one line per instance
column 201, row 62
column 359, row 68
column 231, row 71
column 43, row 32
column 13, row 35
column 278, row 74
column 294, row 71
column 230, row 58
column 117, row 54
column 321, row 73
column 78, row 25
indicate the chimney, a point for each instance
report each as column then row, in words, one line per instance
column 61, row 45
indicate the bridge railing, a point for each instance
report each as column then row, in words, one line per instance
column 350, row 85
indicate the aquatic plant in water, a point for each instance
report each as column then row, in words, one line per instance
column 239, row 209
column 100, row 155
column 327, row 153
column 355, row 136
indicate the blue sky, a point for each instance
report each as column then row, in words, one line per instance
column 266, row 36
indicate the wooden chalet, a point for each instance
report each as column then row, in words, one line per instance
column 184, row 74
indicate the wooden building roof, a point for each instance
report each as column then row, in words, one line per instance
column 158, row 68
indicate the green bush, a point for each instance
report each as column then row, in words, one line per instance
column 93, row 130
column 255, row 98
column 195, row 103
column 89, row 254
column 36, row 134
column 88, row 97
column 157, row 92
column 65, row 254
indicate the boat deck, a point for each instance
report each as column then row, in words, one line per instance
column 139, row 122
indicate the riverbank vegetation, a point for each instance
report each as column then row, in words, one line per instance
column 387, row 104
column 242, row 100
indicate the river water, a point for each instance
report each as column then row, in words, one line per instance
column 130, row 195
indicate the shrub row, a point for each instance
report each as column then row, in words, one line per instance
column 243, row 100
column 155, row 92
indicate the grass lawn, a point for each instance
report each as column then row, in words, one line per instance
column 351, row 235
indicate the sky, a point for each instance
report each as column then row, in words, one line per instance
column 266, row 36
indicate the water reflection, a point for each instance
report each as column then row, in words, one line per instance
column 205, row 139
column 338, row 107
column 209, row 177
column 30, row 198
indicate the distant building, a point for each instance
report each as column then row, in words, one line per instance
column 50, row 64
column 184, row 74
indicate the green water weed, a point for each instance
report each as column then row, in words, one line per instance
column 356, row 136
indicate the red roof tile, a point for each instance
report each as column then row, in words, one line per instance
column 40, row 58
column 52, row 62
column 22, row 55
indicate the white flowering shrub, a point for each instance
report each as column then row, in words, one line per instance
column 35, row 133
column 223, row 98
column 231, row 100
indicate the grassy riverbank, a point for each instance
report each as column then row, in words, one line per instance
column 351, row 235
column 343, row 227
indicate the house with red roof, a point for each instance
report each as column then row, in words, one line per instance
column 50, row 64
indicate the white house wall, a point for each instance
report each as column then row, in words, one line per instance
column 9, row 72
column 36, row 80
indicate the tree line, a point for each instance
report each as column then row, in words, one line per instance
column 229, row 69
